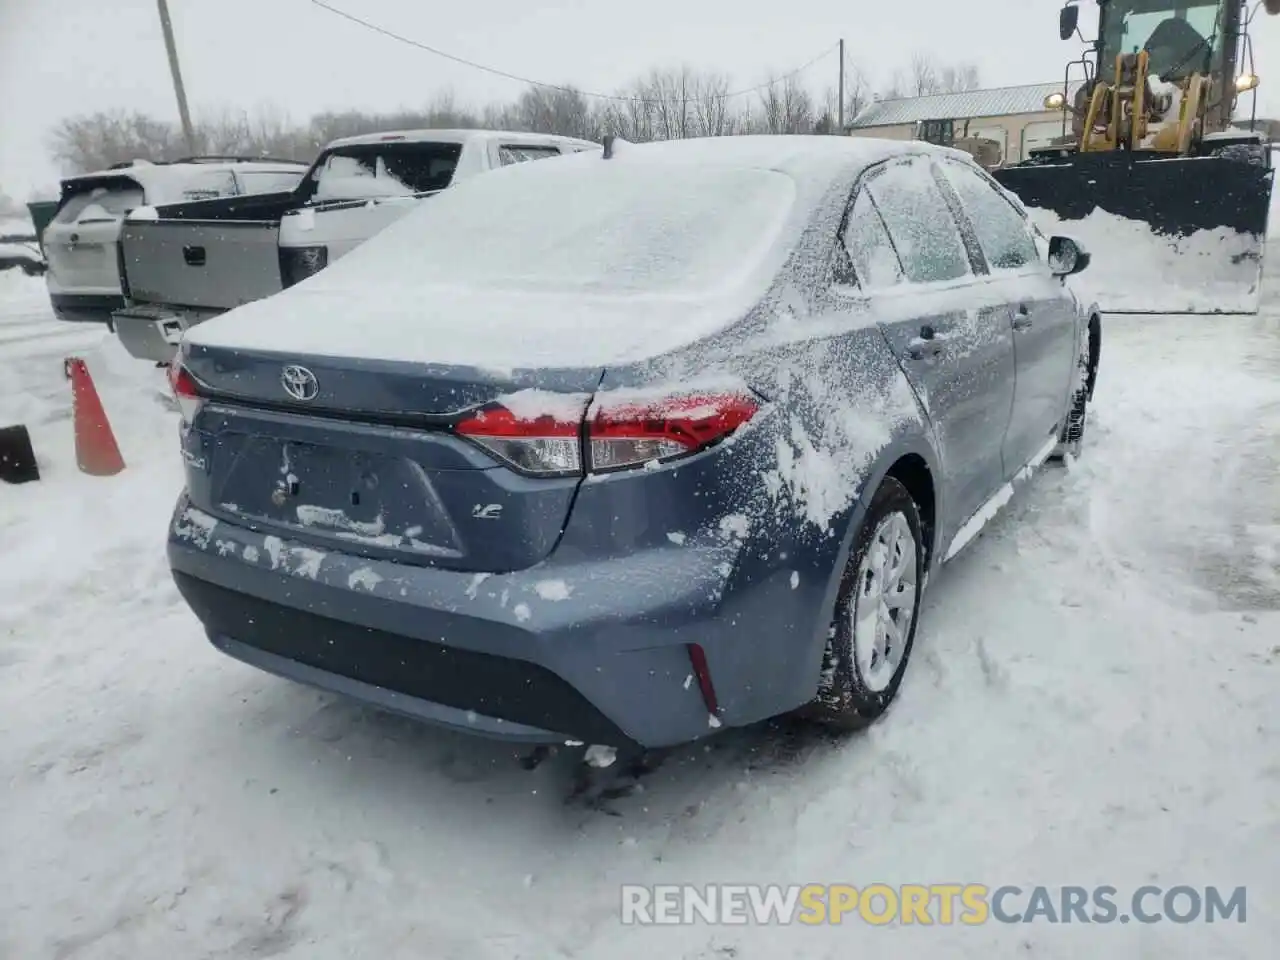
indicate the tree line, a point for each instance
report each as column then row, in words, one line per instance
column 662, row 105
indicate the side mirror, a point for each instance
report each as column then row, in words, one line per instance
column 1068, row 20
column 1066, row 257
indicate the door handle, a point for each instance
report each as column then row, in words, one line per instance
column 1022, row 318
column 194, row 256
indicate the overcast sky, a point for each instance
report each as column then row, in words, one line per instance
column 62, row 57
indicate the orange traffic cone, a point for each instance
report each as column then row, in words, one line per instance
column 97, row 452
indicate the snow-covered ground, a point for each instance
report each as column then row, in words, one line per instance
column 1095, row 699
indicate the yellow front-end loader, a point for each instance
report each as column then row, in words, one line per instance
column 1156, row 172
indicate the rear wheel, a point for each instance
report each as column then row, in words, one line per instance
column 874, row 623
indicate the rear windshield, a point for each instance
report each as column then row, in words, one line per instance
column 589, row 226
column 99, row 202
column 370, row 170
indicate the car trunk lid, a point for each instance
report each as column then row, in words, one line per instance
column 362, row 456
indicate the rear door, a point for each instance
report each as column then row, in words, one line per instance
column 949, row 330
column 80, row 241
column 1043, row 316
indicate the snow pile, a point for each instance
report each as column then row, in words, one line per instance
column 69, row 536
column 1133, row 269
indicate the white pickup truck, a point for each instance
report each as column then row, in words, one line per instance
column 184, row 263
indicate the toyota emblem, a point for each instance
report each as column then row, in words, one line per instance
column 299, row 382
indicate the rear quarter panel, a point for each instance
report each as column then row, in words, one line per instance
column 786, row 493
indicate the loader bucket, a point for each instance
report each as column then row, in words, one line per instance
column 1166, row 234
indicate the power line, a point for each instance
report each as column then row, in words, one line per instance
column 554, row 86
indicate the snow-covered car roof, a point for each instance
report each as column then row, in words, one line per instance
column 584, row 261
column 165, row 182
column 146, row 173
column 455, row 136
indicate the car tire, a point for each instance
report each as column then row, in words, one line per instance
column 1071, row 440
column 860, row 678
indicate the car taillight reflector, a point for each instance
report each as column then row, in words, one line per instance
column 629, row 434
column 184, row 390
column 617, row 435
column 542, row 445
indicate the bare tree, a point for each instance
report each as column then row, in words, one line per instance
column 957, row 78
column 712, row 111
column 857, row 95
column 787, row 107
column 665, row 104
column 923, row 76
column 96, row 141
column 926, row 77
column 550, row 110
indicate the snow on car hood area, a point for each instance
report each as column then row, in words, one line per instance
column 551, row 268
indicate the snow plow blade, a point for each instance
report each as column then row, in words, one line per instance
column 1167, row 234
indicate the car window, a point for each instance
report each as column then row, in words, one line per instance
column 1003, row 234
column 100, row 202
column 875, row 262
column 209, row 184
column 510, row 153
column 920, row 223
column 366, row 171
column 267, row 181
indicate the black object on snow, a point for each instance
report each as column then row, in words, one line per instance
column 17, row 458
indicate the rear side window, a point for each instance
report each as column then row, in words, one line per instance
column 208, row 185
column 920, row 223
column 369, row 170
column 1005, row 238
column 100, row 203
column 510, row 153
column 267, row 181
column 875, row 262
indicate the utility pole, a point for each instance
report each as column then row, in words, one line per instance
column 178, row 89
column 840, row 105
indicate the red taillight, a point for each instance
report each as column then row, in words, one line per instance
column 545, row 445
column 631, row 433
column 619, row 433
column 184, row 390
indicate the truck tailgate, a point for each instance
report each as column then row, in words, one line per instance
column 195, row 263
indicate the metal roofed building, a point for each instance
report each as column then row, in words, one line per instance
column 1014, row 117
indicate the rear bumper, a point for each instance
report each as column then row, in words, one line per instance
column 150, row 334
column 85, row 307
column 496, row 655
column 477, row 692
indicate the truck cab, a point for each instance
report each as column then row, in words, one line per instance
column 359, row 185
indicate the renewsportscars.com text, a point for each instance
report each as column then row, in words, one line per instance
column 945, row 904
